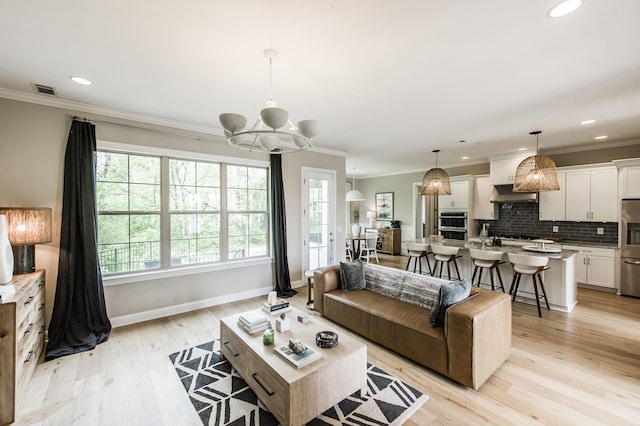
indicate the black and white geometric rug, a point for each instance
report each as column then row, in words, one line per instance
column 222, row 397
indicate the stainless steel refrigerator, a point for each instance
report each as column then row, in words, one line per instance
column 630, row 249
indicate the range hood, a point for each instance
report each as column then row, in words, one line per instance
column 505, row 194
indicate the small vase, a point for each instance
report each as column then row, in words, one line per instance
column 355, row 230
column 6, row 254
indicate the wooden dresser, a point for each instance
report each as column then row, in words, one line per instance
column 390, row 240
column 21, row 339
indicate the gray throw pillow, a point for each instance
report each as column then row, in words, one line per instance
column 352, row 276
column 450, row 294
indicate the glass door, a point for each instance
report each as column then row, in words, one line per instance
column 318, row 221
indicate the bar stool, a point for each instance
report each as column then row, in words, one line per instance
column 486, row 259
column 445, row 254
column 528, row 265
column 416, row 252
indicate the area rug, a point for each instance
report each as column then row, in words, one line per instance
column 221, row 397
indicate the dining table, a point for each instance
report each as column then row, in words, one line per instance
column 356, row 244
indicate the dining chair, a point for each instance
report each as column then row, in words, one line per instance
column 368, row 246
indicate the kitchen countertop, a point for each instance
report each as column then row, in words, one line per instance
column 588, row 244
column 562, row 255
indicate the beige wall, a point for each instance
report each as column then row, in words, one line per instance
column 32, row 144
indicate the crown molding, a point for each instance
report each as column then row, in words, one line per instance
column 126, row 115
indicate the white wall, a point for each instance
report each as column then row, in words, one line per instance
column 32, row 144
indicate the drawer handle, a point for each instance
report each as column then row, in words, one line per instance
column 41, row 284
column 41, row 329
column 255, row 377
column 632, row 262
column 29, row 357
column 29, row 300
column 29, row 328
column 41, row 307
column 231, row 351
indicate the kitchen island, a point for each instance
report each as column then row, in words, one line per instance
column 559, row 280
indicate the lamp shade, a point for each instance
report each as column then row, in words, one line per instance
column 27, row 226
column 371, row 215
column 436, row 182
column 536, row 173
column 355, row 195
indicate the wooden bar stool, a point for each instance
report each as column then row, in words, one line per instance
column 486, row 259
column 416, row 252
column 445, row 254
column 529, row 265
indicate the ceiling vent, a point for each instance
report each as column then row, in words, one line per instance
column 41, row 89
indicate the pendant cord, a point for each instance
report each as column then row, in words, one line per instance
column 270, row 79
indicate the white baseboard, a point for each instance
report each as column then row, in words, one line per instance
column 186, row 307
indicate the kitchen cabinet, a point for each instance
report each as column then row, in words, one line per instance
column 483, row 208
column 552, row 204
column 594, row 265
column 460, row 198
column 591, row 195
column 630, row 182
column 503, row 171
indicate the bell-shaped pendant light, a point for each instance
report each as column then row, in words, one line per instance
column 536, row 173
column 436, row 180
column 354, row 195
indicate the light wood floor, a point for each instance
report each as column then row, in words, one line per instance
column 577, row 368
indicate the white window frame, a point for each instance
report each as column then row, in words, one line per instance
column 155, row 274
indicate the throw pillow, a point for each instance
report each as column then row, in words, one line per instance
column 352, row 276
column 450, row 294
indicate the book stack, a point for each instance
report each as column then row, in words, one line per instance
column 297, row 360
column 276, row 308
column 253, row 322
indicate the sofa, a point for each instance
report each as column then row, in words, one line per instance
column 471, row 345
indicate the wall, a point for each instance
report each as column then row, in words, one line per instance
column 32, row 144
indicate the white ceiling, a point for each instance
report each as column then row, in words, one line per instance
column 389, row 81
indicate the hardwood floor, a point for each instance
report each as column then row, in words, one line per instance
column 577, row 368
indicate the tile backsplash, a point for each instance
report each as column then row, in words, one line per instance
column 522, row 219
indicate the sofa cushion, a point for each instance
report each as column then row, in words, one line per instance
column 384, row 280
column 421, row 290
column 450, row 294
column 352, row 276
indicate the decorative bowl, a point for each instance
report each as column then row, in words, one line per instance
column 326, row 339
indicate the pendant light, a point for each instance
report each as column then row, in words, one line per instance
column 354, row 195
column 436, row 181
column 536, row 173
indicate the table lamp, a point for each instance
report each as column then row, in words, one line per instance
column 371, row 216
column 26, row 226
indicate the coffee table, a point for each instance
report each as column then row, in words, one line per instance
column 295, row 396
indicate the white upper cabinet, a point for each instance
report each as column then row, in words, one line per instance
column 461, row 198
column 630, row 182
column 592, row 195
column 552, row 203
column 504, row 171
column 483, row 208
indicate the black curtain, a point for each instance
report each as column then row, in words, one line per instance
column 279, row 226
column 79, row 321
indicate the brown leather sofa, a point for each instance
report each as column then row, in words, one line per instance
column 474, row 342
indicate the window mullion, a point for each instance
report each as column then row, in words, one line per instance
column 165, row 218
column 224, row 214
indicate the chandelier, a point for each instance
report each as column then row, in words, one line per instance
column 273, row 132
column 536, row 173
column 436, row 181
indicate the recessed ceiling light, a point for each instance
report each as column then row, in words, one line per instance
column 601, row 137
column 80, row 80
column 465, row 158
column 564, row 8
column 588, row 121
column 522, row 149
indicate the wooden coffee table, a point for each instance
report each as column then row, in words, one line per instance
column 295, row 396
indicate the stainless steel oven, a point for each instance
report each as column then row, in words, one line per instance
column 630, row 249
column 453, row 225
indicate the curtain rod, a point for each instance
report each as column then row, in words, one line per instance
column 132, row 126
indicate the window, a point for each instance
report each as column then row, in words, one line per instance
column 157, row 211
